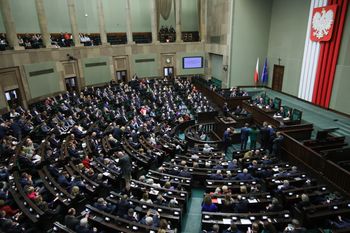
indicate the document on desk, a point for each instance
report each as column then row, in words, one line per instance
column 106, row 174
column 226, row 221
column 154, row 192
column 245, row 221
column 253, row 200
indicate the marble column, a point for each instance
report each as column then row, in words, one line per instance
column 101, row 21
column 203, row 19
column 9, row 24
column 40, row 10
column 178, row 20
column 73, row 22
column 154, row 20
column 128, row 23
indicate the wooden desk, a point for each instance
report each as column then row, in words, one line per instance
column 299, row 131
column 322, row 168
column 261, row 115
column 218, row 99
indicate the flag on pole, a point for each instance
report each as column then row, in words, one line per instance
column 256, row 74
column 264, row 75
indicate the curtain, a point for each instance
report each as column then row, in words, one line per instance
column 164, row 8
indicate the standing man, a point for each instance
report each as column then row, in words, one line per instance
column 276, row 144
column 225, row 109
column 125, row 167
column 265, row 136
column 227, row 139
column 253, row 137
column 244, row 136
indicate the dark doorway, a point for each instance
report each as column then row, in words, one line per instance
column 277, row 81
column 71, row 84
column 13, row 98
column 168, row 71
column 121, row 76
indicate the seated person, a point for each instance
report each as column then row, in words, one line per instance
column 101, row 204
column 285, row 186
column 216, row 176
column 123, row 206
column 275, row 206
column 207, row 149
column 71, row 220
column 7, row 208
column 238, row 110
column 184, row 172
column 151, row 218
column 160, row 200
column 131, row 215
column 207, row 205
column 244, row 175
column 232, row 229
column 242, row 206
column 305, row 202
column 8, row 225
column 84, row 227
column 294, row 227
column 340, row 223
column 64, row 179
column 280, row 113
column 145, row 198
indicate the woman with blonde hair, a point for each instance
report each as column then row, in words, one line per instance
column 208, row 204
column 145, row 198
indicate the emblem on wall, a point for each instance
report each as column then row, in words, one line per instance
column 322, row 23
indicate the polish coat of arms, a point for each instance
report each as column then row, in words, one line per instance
column 322, row 23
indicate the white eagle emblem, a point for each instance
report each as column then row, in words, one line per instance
column 321, row 23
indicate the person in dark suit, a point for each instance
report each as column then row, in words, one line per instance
column 54, row 141
column 123, row 206
column 64, row 179
column 184, row 172
column 70, row 220
column 83, row 226
column 94, row 144
column 117, row 133
column 244, row 175
column 77, row 132
column 238, row 110
column 130, row 215
column 232, row 165
column 216, row 176
column 244, row 136
column 305, row 202
column 232, row 229
column 225, row 109
column 151, row 218
column 275, row 206
column 341, row 223
column 73, row 152
column 16, row 129
column 125, row 167
column 265, row 136
column 102, row 205
column 227, row 139
column 242, row 206
column 276, row 144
